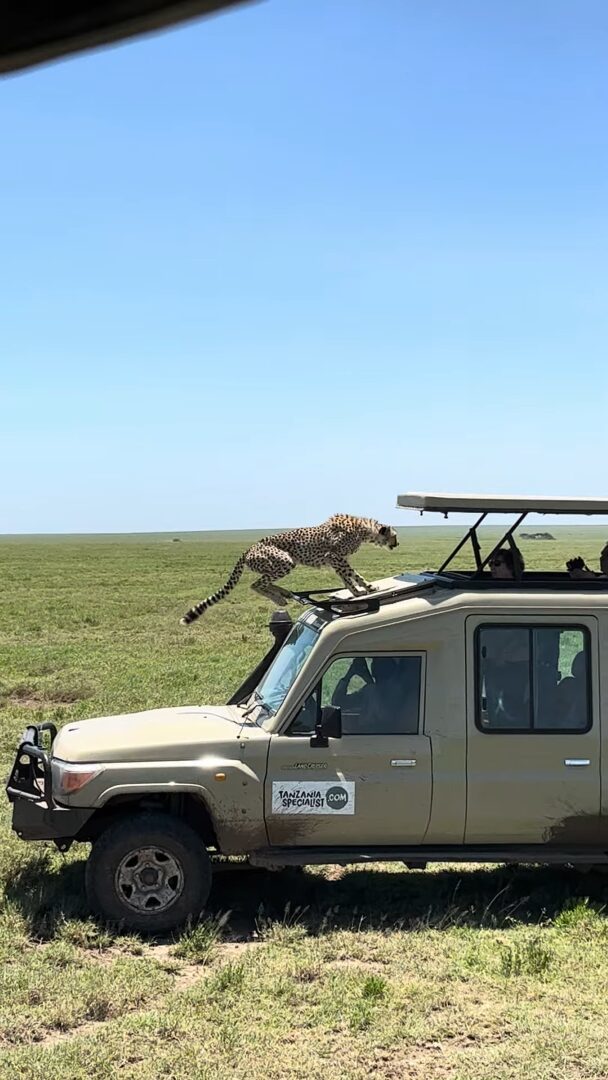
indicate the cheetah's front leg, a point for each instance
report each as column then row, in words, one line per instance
column 350, row 577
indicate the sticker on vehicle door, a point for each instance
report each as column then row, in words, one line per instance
column 306, row 797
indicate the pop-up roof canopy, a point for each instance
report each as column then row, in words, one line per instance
column 521, row 505
column 499, row 504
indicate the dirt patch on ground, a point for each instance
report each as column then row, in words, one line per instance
column 185, row 976
column 27, row 697
column 431, row 1058
column 355, row 965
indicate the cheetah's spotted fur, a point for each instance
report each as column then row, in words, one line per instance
column 328, row 544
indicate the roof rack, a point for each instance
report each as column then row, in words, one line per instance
column 532, row 581
column 371, row 602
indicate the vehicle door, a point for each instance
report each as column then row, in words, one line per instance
column 373, row 785
column 533, row 727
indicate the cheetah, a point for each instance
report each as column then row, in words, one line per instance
column 328, row 544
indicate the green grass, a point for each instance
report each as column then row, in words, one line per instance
column 455, row 972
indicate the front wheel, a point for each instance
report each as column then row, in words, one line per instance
column 150, row 873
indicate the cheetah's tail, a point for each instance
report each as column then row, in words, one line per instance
column 199, row 609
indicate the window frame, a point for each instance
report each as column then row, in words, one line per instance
column 531, row 627
column 397, row 655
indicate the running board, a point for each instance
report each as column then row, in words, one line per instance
column 526, row 853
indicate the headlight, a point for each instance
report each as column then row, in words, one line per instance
column 68, row 779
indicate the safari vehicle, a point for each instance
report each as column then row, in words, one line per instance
column 445, row 716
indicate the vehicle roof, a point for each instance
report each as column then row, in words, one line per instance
column 500, row 504
column 407, row 594
column 494, row 597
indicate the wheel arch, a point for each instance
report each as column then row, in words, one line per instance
column 186, row 806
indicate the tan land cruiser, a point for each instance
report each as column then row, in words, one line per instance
column 446, row 716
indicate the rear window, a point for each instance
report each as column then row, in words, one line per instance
column 533, row 678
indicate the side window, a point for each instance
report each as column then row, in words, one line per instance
column 378, row 695
column 532, row 678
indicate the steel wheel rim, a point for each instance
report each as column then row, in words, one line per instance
column 149, row 880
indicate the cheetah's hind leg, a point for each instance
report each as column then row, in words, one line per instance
column 270, row 563
column 265, row 587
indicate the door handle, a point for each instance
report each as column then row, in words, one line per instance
column 403, row 763
column 577, row 761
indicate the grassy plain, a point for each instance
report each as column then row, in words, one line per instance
column 454, row 972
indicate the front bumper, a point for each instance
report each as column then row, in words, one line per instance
column 29, row 788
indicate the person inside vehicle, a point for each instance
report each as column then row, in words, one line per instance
column 506, row 676
column 507, row 564
column 572, row 693
column 578, row 570
column 388, row 702
column 571, row 700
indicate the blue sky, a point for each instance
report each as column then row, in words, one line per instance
column 302, row 256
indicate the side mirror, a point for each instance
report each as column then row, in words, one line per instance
column 328, row 726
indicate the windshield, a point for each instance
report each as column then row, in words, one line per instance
column 285, row 668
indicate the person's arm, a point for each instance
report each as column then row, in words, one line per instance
column 578, row 569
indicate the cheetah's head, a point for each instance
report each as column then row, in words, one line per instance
column 387, row 537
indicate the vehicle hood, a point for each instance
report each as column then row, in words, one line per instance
column 177, row 734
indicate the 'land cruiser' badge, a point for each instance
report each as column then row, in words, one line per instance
column 305, row 797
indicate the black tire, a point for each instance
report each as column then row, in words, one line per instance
column 150, row 873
